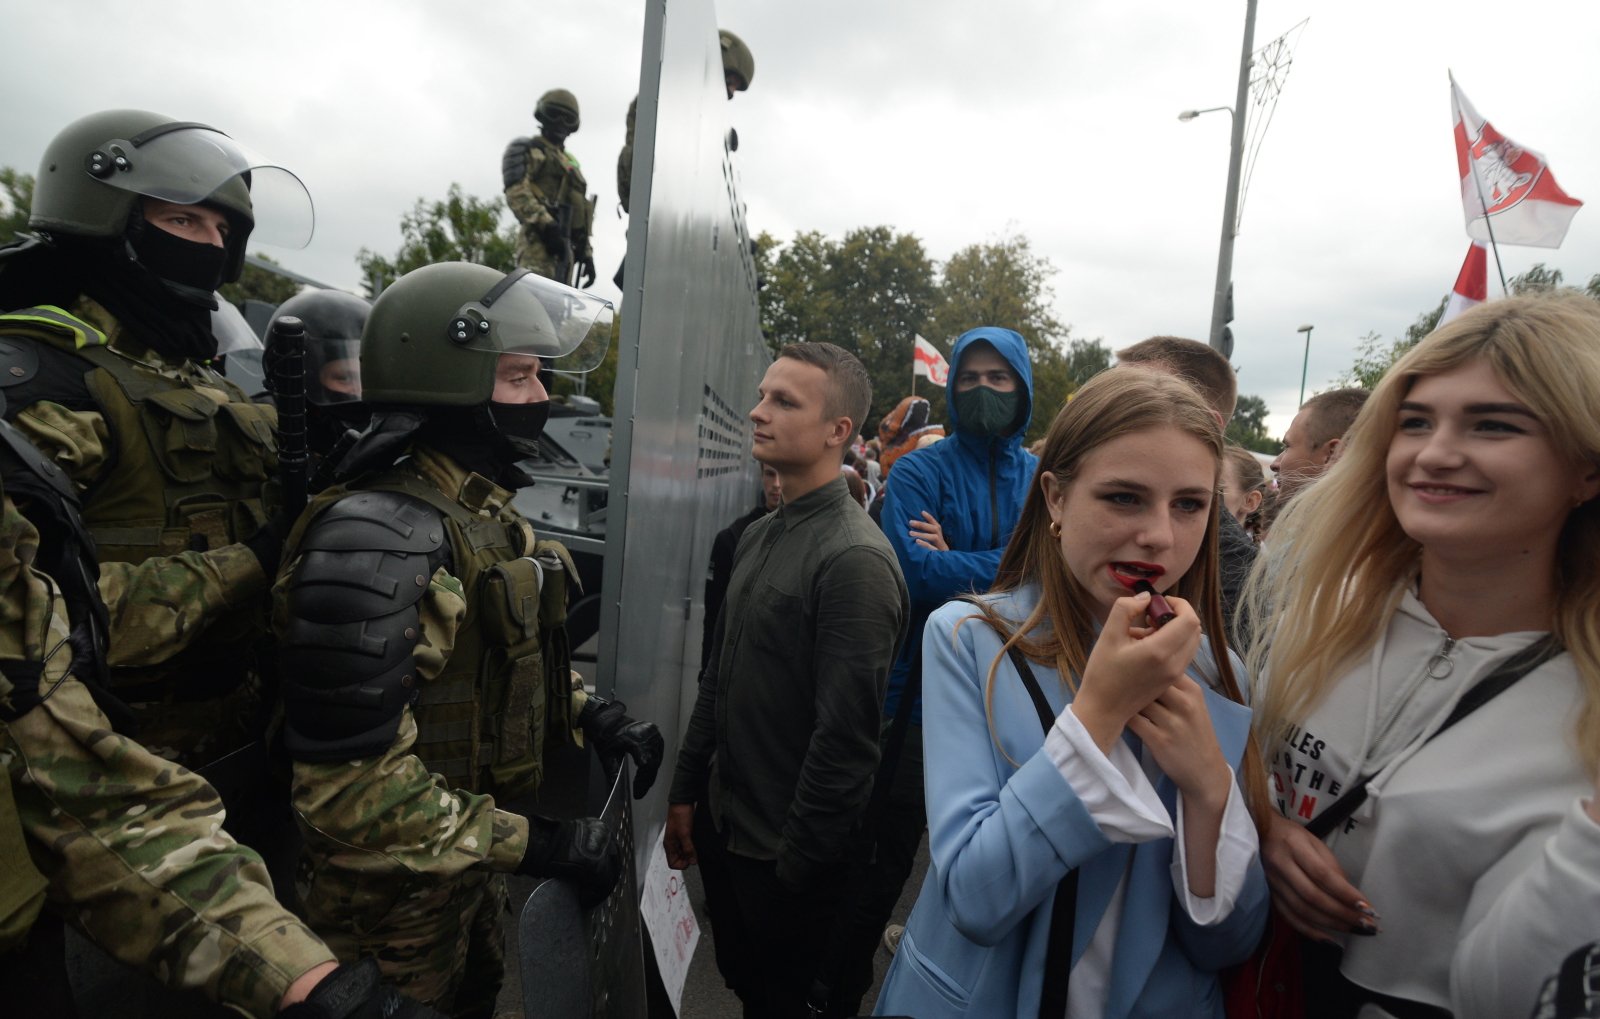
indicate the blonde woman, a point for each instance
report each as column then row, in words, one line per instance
column 1092, row 852
column 1435, row 629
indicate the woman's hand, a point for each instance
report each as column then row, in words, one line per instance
column 1176, row 729
column 1309, row 888
column 928, row 533
column 1132, row 664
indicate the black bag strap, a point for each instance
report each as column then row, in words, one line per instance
column 1485, row 690
column 1063, row 913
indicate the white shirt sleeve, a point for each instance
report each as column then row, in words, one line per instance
column 1112, row 788
column 1237, row 845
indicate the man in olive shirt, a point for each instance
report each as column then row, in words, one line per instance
column 787, row 721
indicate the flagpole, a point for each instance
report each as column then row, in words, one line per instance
column 1477, row 181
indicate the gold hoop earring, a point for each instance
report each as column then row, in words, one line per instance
column 1055, row 529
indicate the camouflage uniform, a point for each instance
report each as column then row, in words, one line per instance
column 197, row 431
column 553, row 178
column 400, row 863
column 131, row 845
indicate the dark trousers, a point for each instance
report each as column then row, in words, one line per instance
column 905, row 816
column 769, row 939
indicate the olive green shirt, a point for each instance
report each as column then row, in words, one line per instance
column 790, row 705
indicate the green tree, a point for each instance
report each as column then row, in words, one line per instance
column 260, row 285
column 16, row 199
column 461, row 228
column 870, row 293
column 1249, row 425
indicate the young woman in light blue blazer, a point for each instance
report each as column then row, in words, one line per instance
column 1093, row 851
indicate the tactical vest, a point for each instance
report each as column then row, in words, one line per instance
column 482, row 722
column 560, row 180
column 186, row 471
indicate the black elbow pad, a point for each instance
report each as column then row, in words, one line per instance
column 346, row 649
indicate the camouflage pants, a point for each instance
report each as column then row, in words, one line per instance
column 439, row 940
column 135, row 855
column 532, row 254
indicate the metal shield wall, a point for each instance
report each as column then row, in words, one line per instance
column 691, row 358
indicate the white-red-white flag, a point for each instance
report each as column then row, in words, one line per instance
column 1505, row 185
column 928, row 362
column 1472, row 285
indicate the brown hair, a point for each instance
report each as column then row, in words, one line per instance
column 1246, row 466
column 1329, row 415
column 849, row 388
column 1196, row 363
column 1060, row 631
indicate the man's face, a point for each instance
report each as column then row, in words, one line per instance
column 982, row 365
column 1300, row 463
column 771, row 487
column 516, row 380
column 733, row 81
column 342, row 376
column 198, row 223
column 792, row 429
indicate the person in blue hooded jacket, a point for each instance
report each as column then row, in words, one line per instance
column 948, row 513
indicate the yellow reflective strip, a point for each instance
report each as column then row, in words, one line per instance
column 84, row 334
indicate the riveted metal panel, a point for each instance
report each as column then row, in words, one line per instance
column 691, row 358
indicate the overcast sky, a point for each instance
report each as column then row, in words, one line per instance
column 955, row 121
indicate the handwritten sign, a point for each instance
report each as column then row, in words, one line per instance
column 674, row 931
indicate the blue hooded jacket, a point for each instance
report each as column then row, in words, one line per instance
column 974, row 486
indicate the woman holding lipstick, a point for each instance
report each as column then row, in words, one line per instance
column 1092, row 850
column 1435, row 633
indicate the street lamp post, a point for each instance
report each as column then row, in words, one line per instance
column 1305, row 361
column 1230, row 205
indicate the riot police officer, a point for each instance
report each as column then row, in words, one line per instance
column 126, row 846
column 333, row 322
column 420, row 632
column 104, row 348
column 546, row 191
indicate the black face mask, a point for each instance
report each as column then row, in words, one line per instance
column 192, row 270
column 521, row 424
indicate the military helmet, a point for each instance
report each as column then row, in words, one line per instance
column 96, row 170
column 736, row 57
column 436, row 334
column 558, row 107
column 334, row 321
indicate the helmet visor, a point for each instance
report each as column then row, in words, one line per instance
column 567, row 329
column 333, row 371
column 233, row 333
column 188, row 163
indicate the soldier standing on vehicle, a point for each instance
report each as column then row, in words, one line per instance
column 546, row 191
column 421, row 633
column 738, row 68
column 104, row 351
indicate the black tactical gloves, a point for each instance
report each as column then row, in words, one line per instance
column 606, row 724
column 580, row 851
column 586, row 273
column 267, row 546
column 357, row 992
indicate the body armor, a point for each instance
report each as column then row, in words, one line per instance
column 367, row 553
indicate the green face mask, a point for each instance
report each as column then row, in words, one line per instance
column 983, row 411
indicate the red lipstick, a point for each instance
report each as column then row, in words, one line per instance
column 1159, row 612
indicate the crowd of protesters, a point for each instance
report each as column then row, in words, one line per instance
column 1189, row 738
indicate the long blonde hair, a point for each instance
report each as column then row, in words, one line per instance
column 1060, row 631
column 1338, row 560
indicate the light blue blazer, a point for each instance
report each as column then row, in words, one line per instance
column 1002, row 836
